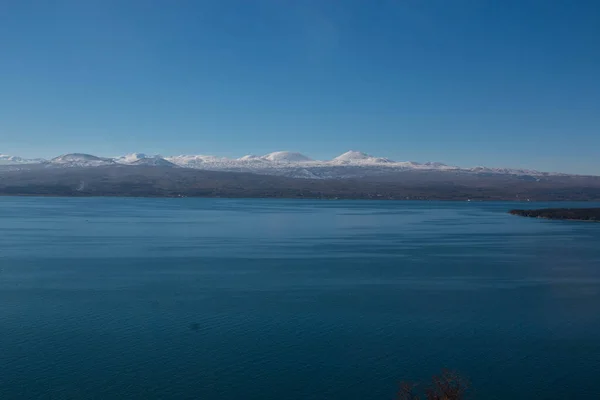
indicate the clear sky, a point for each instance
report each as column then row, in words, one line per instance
column 467, row 82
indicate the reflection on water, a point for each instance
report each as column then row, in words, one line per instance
column 272, row 299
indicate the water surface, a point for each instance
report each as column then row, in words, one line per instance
column 281, row 299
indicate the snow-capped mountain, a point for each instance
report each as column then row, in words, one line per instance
column 154, row 162
column 80, row 160
column 250, row 157
column 352, row 164
column 357, row 157
column 198, row 161
column 286, row 157
column 131, row 158
column 143, row 159
column 13, row 160
column 348, row 165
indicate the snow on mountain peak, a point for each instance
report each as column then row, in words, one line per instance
column 352, row 155
column 286, row 156
column 141, row 159
column 194, row 161
column 81, row 160
column 12, row 160
column 360, row 157
column 250, row 157
column 435, row 164
column 130, row 158
column 155, row 161
column 283, row 163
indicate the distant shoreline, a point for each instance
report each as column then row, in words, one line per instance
column 567, row 214
column 366, row 198
column 163, row 182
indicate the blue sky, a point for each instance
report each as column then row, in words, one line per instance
column 466, row 82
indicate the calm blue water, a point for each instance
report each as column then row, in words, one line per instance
column 268, row 299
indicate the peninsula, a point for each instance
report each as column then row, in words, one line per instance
column 574, row 214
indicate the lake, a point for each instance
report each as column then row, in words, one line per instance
column 105, row 298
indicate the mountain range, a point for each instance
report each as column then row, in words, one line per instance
column 352, row 175
column 351, row 164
